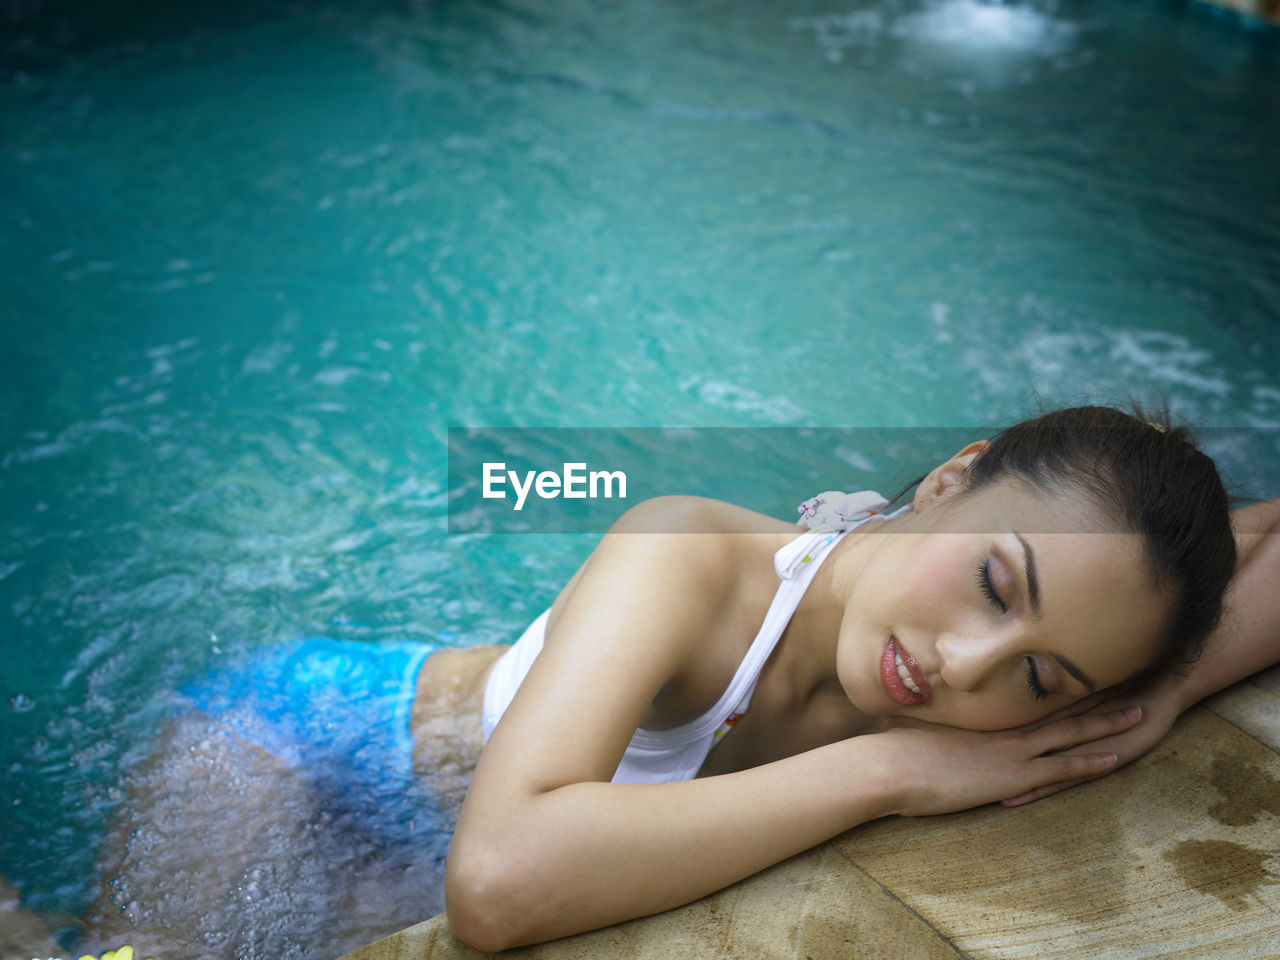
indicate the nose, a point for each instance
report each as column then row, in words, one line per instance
column 965, row 659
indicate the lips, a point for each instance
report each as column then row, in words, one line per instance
column 893, row 655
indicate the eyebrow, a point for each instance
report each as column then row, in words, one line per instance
column 1033, row 578
column 1075, row 671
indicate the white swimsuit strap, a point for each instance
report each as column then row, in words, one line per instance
column 795, row 581
column 796, row 564
column 737, row 696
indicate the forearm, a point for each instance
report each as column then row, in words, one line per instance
column 1248, row 639
column 591, row 854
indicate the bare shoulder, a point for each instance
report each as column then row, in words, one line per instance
column 702, row 515
column 714, row 540
column 695, row 548
column 1255, row 528
column 1256, row 518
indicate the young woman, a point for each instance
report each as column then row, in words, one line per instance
column 711, row 694
column 713, row 691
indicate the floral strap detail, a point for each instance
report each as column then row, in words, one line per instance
column 826, row 515
column 833, row 510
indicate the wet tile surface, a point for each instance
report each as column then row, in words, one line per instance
column 1253, row 706
column 1174, row 856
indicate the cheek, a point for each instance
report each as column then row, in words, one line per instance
column 931, row 579
column 984, row 714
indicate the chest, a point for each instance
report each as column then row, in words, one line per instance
column 788, row 713
column 716, row 655
column 797, row 702
column 778, row 726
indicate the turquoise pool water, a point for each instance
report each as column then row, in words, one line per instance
column 258, row 261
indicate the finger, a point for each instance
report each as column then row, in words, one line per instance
column 1078, row 730
column 1099, row 700
column 1060, row 768
column 1041, row 792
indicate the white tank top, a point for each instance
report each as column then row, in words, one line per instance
column 663, row 756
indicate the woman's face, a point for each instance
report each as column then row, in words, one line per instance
column 991, row 610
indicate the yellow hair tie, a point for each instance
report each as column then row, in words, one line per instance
column 1156, row 425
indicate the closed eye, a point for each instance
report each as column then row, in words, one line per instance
column 988, row 588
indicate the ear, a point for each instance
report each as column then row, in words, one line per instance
column 947, row 476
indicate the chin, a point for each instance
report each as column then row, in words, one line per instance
column 863, row 699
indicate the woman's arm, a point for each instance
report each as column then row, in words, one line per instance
column 589, row 854
column 546, row 846
column 1247, row 640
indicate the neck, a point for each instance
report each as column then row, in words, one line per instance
column 814, row 632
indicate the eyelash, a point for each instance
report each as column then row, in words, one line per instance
column 1033, row 681
column 988, row 588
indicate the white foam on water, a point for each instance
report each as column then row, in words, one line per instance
column 743, row 400
column 835, row 34
column 973, row 26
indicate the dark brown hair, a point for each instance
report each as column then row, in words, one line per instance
column 1148, row 473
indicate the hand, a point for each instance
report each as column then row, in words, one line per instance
column 948, row 769
column 1160, row 708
